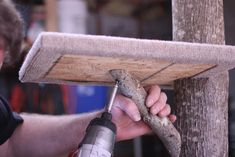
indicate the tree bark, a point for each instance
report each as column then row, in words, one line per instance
column 200, row 21
column 201, row 104
column 131, row 88
column 201, row 107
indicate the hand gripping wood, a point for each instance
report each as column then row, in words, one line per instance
column 131, row 87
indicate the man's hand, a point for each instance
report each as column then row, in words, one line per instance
column 127, row 117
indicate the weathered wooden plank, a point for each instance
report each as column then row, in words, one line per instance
column 96, row 55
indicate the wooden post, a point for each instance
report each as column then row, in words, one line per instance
column 201, row 104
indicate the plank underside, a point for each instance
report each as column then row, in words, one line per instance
column 95, row 69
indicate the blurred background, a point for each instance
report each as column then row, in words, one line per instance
column 148, row 19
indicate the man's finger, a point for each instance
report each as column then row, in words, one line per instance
column 165, row 111
column 128, row 106
column 153, row 95
column 160, row 104
column 172, row 118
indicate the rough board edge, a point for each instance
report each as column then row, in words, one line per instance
column 33, row 69
column 132, row 47
column 29, row 58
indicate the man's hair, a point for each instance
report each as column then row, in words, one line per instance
column 11, row 31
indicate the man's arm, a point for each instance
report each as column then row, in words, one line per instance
column 56, row 136
column 47, row 136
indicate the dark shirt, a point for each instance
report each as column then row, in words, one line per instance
column 8, row 121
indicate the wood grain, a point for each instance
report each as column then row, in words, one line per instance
column 96, row 69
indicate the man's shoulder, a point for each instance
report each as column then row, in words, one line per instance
column 9, row 120
column 4, row 111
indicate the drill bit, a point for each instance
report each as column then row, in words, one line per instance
column 114, row 92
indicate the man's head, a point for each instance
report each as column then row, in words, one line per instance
column 11, row 33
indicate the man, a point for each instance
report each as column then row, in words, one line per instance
column 52, row 136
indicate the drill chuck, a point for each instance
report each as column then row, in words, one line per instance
column 100, row 137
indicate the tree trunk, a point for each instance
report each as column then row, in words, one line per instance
column 201, row 107
column 200, row 21
column 201, row 104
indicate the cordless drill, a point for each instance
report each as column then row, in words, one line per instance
column 100, row 134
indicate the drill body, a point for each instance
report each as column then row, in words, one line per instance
column 100, row 137
column 100, row 134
